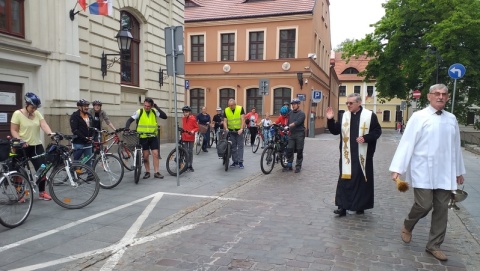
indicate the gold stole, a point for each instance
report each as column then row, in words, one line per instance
column 364, row 127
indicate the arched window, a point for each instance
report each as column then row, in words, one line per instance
column 281, row 95
column 350, row 71
column 130, row 68
column 225, row 95
column 254, row 99
column 197, row 99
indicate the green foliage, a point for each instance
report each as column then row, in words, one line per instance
column 413, row 39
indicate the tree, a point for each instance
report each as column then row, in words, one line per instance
column 418, row 38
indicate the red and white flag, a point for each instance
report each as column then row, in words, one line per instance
column 83, row 4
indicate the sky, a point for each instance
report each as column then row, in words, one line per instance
column 350, row 19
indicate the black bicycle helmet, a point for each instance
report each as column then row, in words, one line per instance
column 295, row 101
column 97, row 102
column 31, row 98
column 187, row 108
column 82, row 102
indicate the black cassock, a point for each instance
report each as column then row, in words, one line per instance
column 356, row 194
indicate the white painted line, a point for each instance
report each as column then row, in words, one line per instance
column 103, row 250
column 131, row 233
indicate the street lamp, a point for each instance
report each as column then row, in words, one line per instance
column 300, row 79
column 124, row 39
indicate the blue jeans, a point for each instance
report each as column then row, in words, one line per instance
column 82, row 150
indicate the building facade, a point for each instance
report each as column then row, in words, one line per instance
column 388, row 112
column 45, row 51
column 230, row 46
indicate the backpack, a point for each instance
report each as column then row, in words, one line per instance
column 222, row 144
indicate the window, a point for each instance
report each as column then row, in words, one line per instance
column 197, row 99
column 12, row 20
column 281, row 95
column 356, row 89
column 225, row 95
column 228, row 47
column 130, row 64
column 342, row 91
column 190, row 4
column 369, row 91
column 287, row 43
column 197, row 43
column 350, row 71
column 386, row 115
column 255, row 48
column 254, row 99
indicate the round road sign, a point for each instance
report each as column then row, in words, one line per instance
column 417, row 94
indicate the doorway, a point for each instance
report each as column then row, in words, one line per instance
column 10, row 100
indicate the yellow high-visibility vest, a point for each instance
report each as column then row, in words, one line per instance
column 234, row 119
column 147, row 123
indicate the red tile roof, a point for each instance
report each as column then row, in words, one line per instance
column 340, row 65
column 209, row 10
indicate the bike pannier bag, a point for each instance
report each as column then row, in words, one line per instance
column 4, row 149
column 202, row 128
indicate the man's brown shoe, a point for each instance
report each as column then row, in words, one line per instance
column 438, row 254
column 406, row 235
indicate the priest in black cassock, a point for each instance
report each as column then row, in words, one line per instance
column 359, row 130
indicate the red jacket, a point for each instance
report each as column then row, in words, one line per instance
column 283, row 120
column 189, row 124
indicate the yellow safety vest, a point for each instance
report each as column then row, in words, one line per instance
column 234, row 119
column 147, row 123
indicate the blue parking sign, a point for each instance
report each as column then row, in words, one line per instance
column 316, row 96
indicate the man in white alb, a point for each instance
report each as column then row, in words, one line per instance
column 430, row 155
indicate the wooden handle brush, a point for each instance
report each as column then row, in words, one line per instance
column 402, row 186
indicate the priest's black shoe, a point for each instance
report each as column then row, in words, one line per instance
column 340, row 212
column 360, row 212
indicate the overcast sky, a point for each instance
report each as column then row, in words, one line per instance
column 350, row 19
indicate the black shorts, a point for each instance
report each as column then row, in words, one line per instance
column 149, row 143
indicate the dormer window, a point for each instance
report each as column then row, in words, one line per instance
column 190, row 4
column 350, row 71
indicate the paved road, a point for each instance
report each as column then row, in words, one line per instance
column 241, row 220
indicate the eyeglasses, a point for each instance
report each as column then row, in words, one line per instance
column 438, row 94
column 350, row 103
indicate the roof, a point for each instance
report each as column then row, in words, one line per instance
column 209, row 10
column 340, row 65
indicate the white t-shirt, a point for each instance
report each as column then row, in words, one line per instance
column 266, row 123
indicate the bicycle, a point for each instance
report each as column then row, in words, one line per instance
column 258, row 139
column 108, row 167
column 276, row 150
column 228, row 151
column 124, row 153
column 182, row 160
column 137, row 152
column 198, row 142
column 213, row 137
column 16, row 196
column 72, row 185
column 246, row 134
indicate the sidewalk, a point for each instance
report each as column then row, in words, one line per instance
column 284, row 221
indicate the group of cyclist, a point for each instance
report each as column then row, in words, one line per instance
column 27, row 122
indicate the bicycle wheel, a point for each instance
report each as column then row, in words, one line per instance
column 247, row 139
column 198, row 144
column 256, row 144
column 78, row 192
column 212, row 137
column 126, row 156
column 267, row 161
column 109, row 170
column 171, row 164
column 16, row 199
column 138, row 166
column 228, row 153
column 283, row 159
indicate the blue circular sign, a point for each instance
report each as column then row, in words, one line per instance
column 456, row 71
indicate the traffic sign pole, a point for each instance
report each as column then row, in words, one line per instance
column 456, row 71
column 454, row 90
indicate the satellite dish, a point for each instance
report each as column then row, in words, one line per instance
column 226, row 68
column 286, row 66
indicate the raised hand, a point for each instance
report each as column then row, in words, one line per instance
column 330, row 113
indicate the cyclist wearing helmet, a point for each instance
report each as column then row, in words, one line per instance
column 189, row 124
column 26, row 124
column 296, row 140
column 99, row 116
column 204, row 119
column 283, row 118
column 146, row 118
column 218, row 122
column 80, row 123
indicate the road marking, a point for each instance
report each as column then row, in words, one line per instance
column 86, row 219
column 130, row 235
